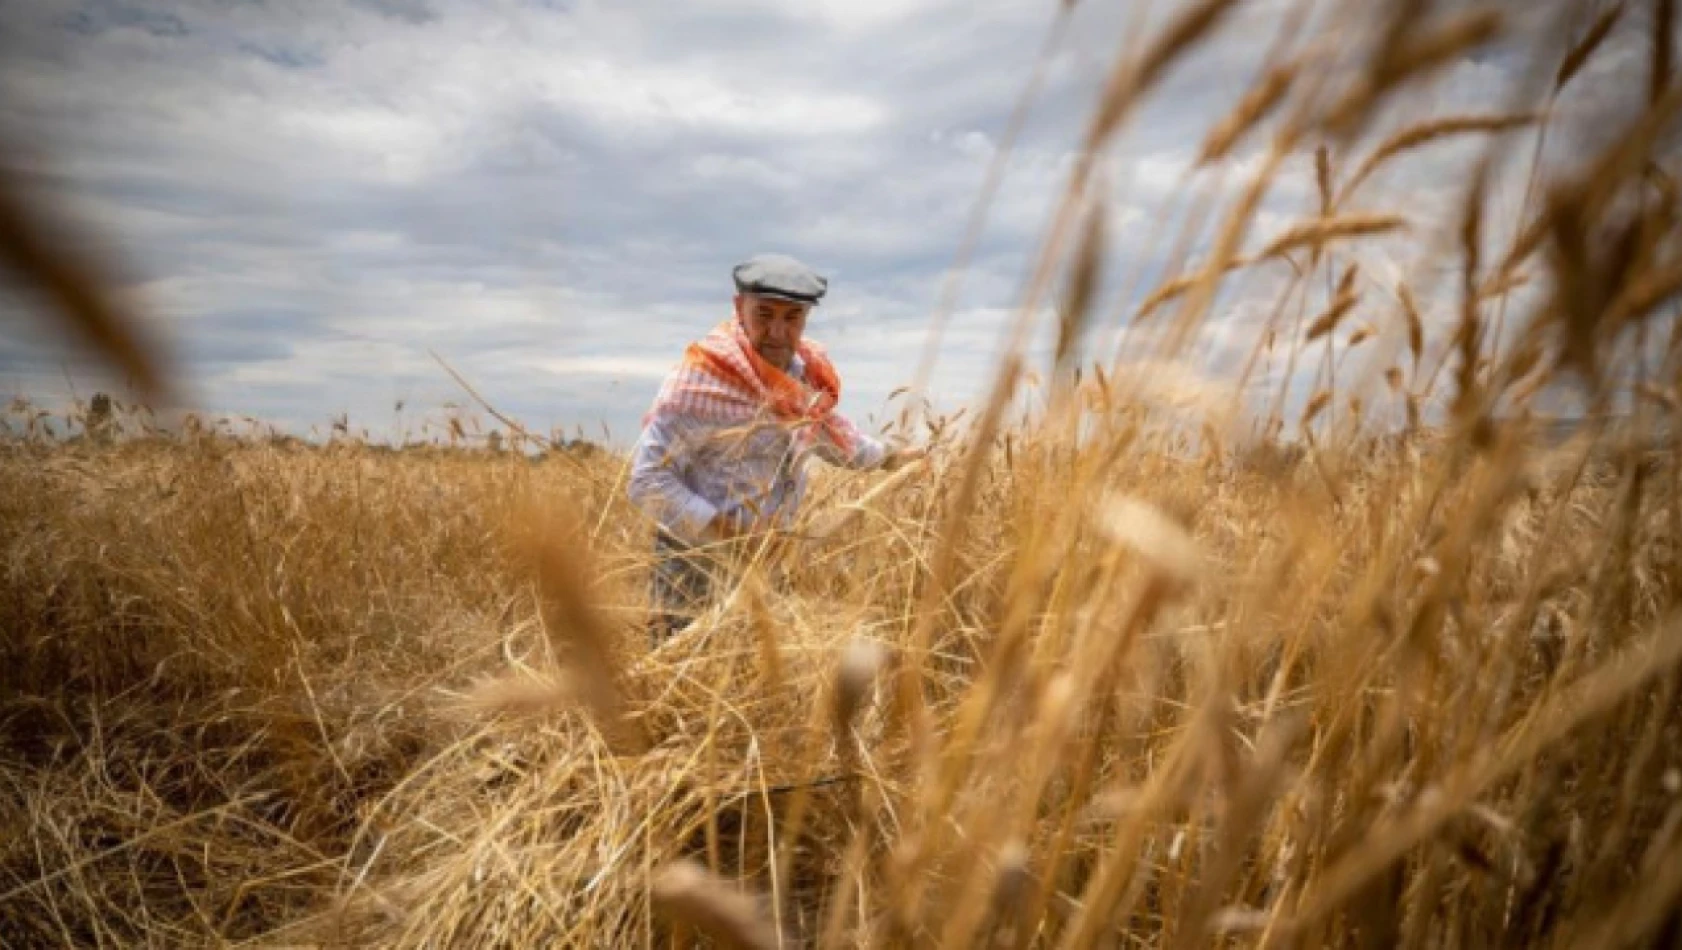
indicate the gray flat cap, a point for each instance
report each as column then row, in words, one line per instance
column 778, row 275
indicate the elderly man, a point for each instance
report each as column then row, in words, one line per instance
column 723, row 449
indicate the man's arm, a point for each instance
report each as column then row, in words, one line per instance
column 656, row 488
column 867, row 452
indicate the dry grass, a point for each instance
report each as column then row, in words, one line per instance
column 1080, row 681
column 250, row 701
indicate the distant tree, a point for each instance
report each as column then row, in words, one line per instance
column 100, row 422
column 583, row 448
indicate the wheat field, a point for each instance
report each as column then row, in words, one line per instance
column 1127, row 663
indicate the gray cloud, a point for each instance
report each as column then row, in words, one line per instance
column 550, row 195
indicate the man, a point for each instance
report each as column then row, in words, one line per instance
column 722, row 450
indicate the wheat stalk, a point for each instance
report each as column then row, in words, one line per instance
column 1425, row 133
column 1320, row 231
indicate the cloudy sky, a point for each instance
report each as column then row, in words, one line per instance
column 307, row 198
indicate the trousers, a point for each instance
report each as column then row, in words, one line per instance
column 682, row 583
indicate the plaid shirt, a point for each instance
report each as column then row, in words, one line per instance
column 689, row 467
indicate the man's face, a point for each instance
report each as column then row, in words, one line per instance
column 773, row 326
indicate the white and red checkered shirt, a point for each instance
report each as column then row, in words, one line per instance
column 710, row 446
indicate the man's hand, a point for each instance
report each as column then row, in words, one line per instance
column 723, row 528
column 899, row 458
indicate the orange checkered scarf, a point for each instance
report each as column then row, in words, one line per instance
column 724, row 381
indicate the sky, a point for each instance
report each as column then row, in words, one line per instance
column 308, row 200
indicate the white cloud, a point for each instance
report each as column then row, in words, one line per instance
column 382, row 143
column 551, row 195
column 633, row 367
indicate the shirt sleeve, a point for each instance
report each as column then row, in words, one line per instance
column 656, row 488
column 867, row 452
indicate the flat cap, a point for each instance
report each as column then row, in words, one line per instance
column 778, row 275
